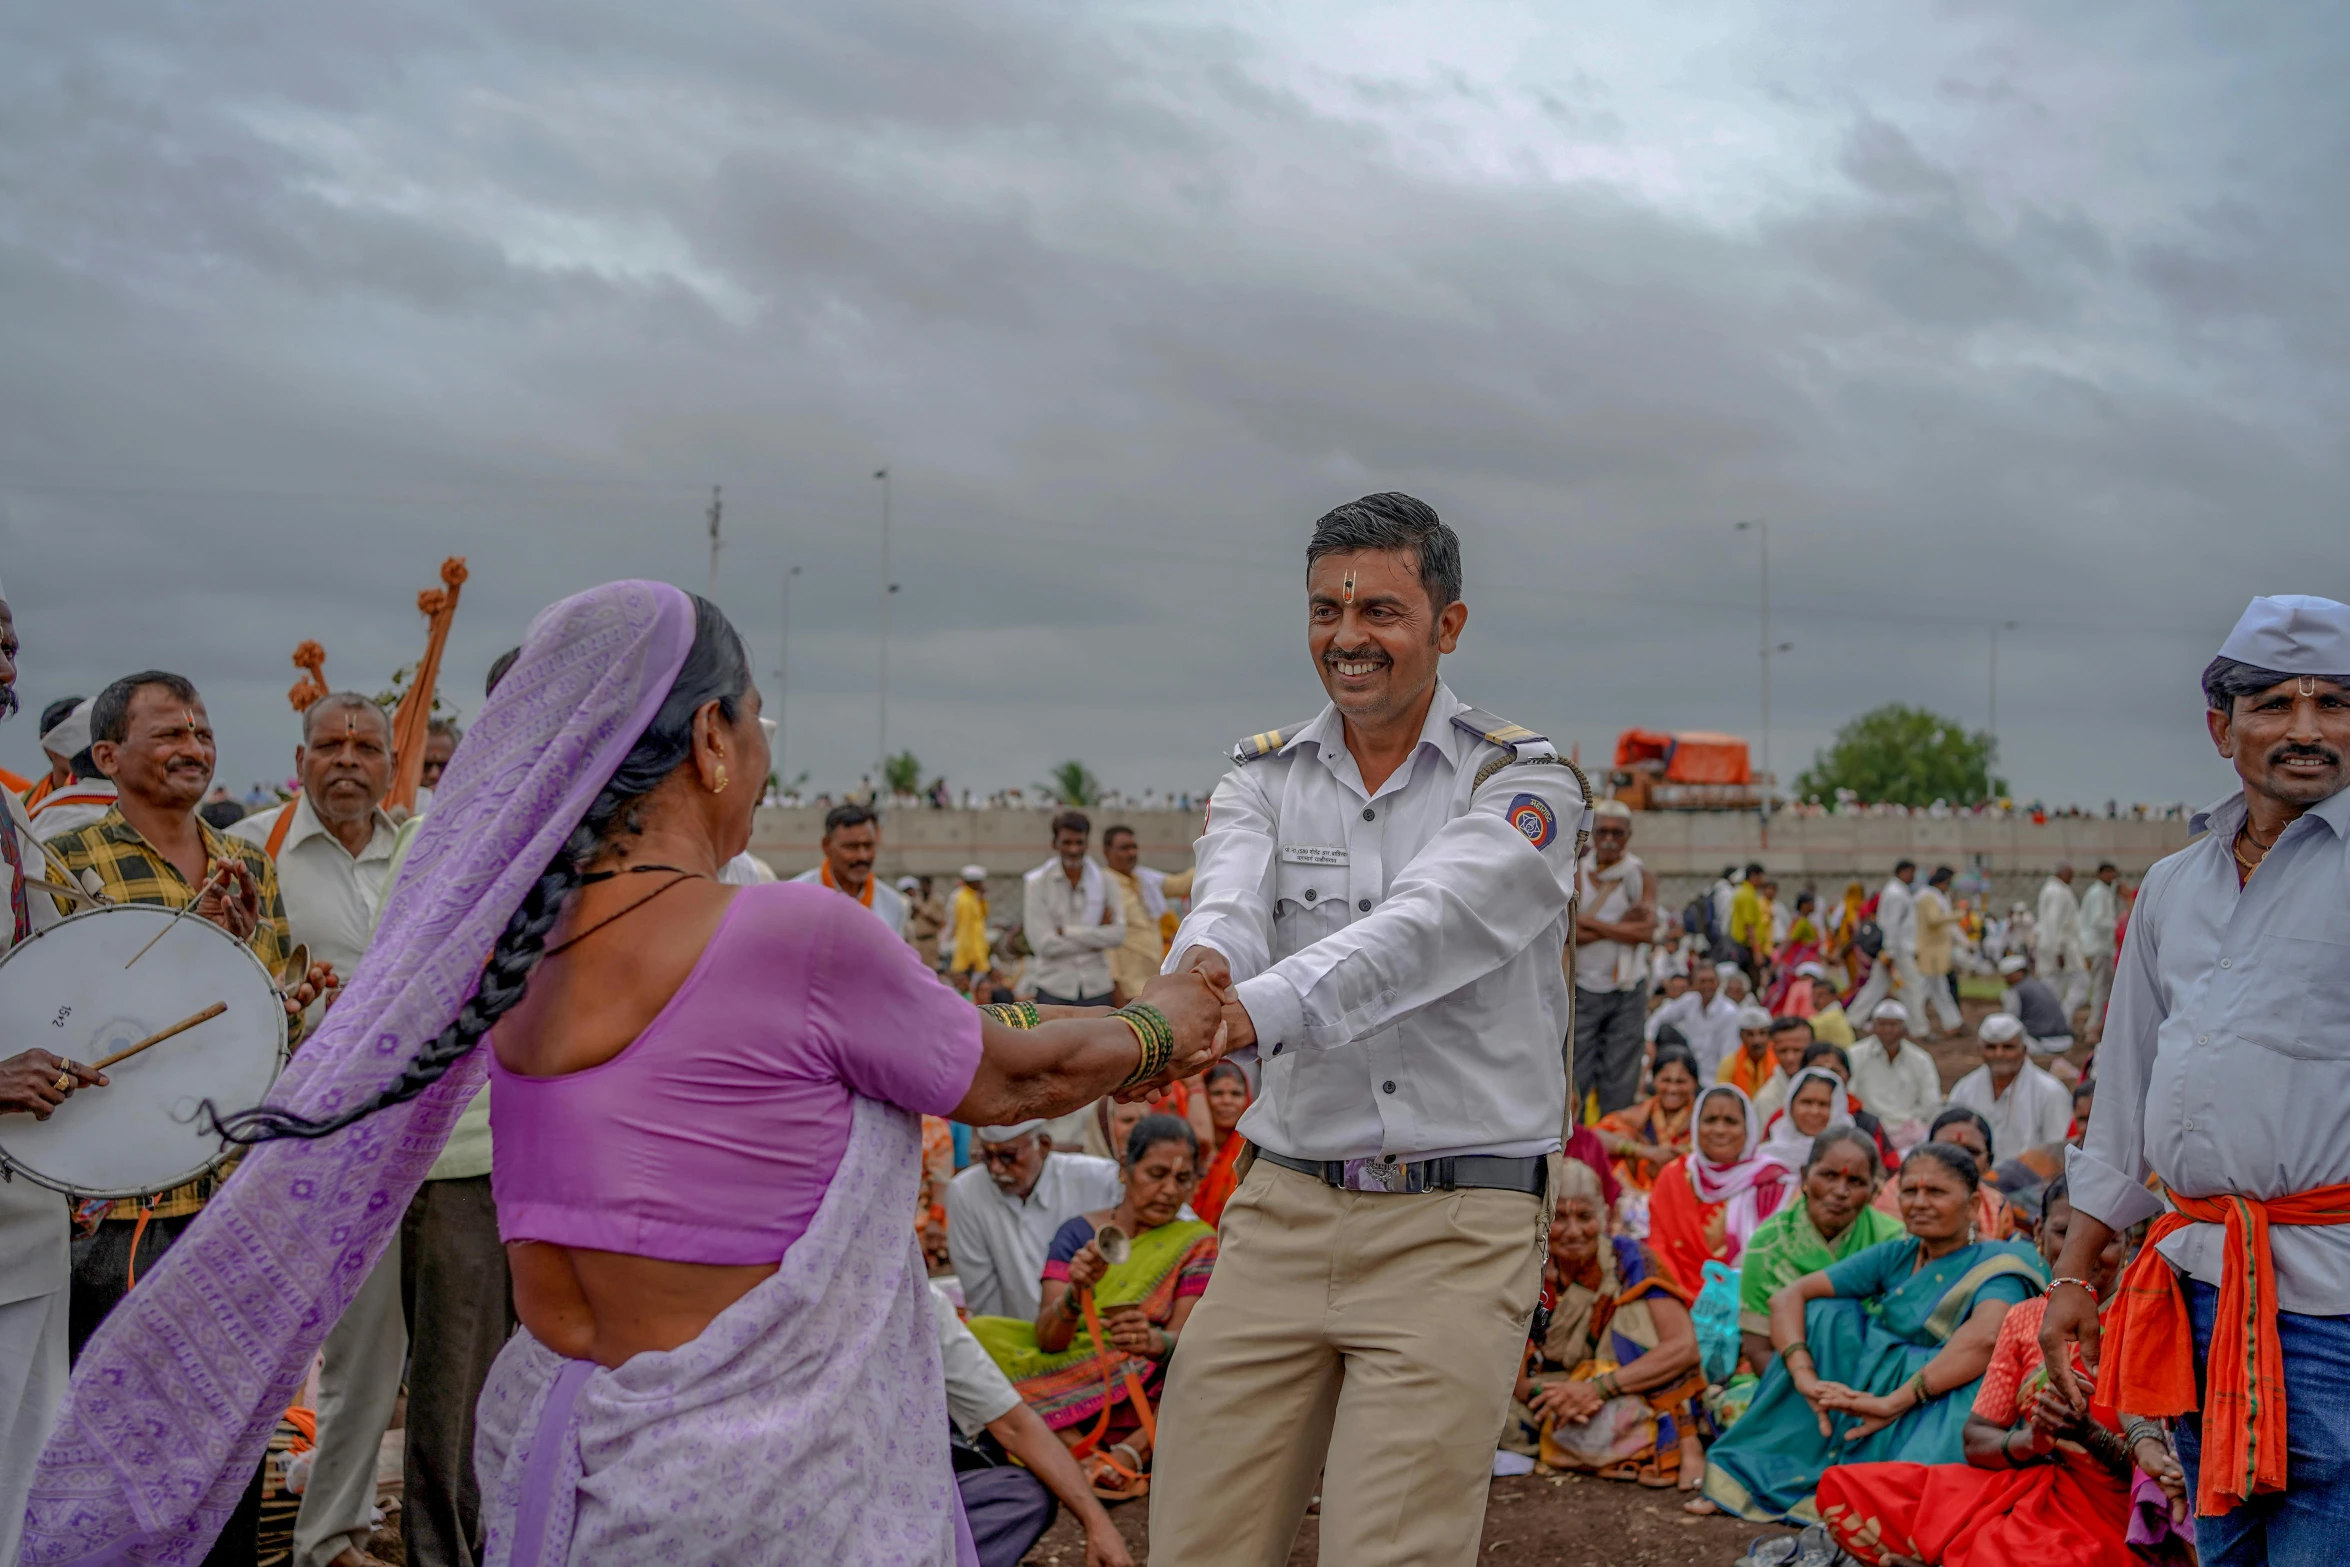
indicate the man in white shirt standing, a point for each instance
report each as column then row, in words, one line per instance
column 1075, row 918
column 1391, row 886
column 2100, row 917
column 1002, row 1212
column 852, row 841
column 1897, row 958
column 1614, row 920
column 86, row 794
column 1895, row 1079
column 35, row 1229
column 2056, row 937
column 2027, row 1107
column 1706, row 1017
column 332, row 844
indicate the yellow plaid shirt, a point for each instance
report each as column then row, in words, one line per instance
column 130, row 870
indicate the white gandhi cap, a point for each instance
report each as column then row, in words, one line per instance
column 2293, row 634
column 1009, row 1134
column 1999, row 1028
column 1890, row 1009
column 71, row 736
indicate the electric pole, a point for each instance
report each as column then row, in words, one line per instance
column 881, row 777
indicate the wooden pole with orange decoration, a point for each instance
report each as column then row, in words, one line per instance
column 310, row 658
column 414, row 718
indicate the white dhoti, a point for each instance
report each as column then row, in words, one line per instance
column 33, row 1374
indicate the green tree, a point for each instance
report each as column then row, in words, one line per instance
column 1073, row 783
column 1901, row 755
column 901, row 774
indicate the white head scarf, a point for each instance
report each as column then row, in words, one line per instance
column 1791, row 1147
column 1740, row 1184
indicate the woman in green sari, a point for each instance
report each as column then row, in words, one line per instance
column 1832, row 1222
column 1101, row 1403
column 1878, row 1355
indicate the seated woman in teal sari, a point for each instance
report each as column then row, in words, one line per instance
column 1878, row 1355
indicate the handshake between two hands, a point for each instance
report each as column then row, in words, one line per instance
column 1208, row 1019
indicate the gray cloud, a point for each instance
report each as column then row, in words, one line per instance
column 1998, row 319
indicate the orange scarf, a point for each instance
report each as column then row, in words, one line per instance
column 2150, row 1341
column 865, row 897
column 1746, row 1075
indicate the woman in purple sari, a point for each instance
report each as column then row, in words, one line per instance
column 707, row 1150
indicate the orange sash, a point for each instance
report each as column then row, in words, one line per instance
column 2149, row 1354
column 865, row 897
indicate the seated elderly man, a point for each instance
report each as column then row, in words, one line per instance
column 2026, row 1106
column 1002, row 1213
column 1895, row 1078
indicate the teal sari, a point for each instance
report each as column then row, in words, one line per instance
column 1883, row 1325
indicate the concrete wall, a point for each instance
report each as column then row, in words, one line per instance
column 2012, row 852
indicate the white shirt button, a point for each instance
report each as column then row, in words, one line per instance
column 2227, row 963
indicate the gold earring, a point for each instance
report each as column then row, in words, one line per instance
column 720, row 786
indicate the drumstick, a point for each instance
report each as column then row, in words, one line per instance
column 157, row 1038
column 128, row 1051
column 181, row 913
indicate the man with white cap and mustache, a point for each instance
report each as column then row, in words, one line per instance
column 2222, row 1075
column 1003, row 1210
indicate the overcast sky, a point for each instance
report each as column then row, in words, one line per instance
column 1998, row 313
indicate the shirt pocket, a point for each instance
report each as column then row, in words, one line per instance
column 2295, row 999
column 1309, row 901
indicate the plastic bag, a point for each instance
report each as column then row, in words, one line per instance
column 1715, row 1314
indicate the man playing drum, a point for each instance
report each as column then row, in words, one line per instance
column 33, row 1220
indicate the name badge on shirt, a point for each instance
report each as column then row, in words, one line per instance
column 1313, row 854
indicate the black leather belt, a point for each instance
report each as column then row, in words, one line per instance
column 1482, row 1172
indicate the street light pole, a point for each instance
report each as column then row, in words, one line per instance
column 1762, row 528
column 882, row 718
column 1996, row 628
column 783, row 682
column 717, row 510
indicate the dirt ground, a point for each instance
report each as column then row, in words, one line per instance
column 1531, row 1521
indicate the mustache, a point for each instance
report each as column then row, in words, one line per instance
column 2295, row 752
column 1367, row 655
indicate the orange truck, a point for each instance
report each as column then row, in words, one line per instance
column 1692, row 770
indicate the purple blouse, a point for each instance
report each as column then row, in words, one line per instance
column 712, row 1136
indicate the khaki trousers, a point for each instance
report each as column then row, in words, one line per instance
column 1383, row 1331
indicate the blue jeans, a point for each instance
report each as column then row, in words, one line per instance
column 2307, row 1524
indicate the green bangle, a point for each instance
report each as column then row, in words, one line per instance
column 1154, row 1034
column 1021, row 1015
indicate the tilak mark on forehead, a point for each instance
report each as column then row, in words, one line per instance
column 1347, row 588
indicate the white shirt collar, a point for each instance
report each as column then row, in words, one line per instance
column 308, row 825
column 1328, row 735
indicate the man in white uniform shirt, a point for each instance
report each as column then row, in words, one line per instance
column 1614, row 920
column 333, row 847
column 2221, row 1076
column 2026, row 1106
column 1003, row 1210
column 1706, row 1017
column 1390, row 885
column 1897, row 958
column 1075, row 918
column 34, row 1223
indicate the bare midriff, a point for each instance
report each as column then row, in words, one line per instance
column 607, row 1306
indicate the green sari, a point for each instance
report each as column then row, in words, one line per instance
column 1786, row 1246
column 1168, row 1264
column 1883, row 1325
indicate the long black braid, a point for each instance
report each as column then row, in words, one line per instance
column 716, row 670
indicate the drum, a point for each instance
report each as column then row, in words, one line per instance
column 67, row 991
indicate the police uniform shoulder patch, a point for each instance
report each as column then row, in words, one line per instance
column 1531, row 814
column 1266, row 743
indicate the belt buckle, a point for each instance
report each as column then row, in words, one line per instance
column 1382, row 1175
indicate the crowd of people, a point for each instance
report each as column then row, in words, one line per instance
column 920, row 1224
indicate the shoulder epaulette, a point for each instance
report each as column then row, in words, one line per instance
column 1529, row 746
column 1266, row 743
